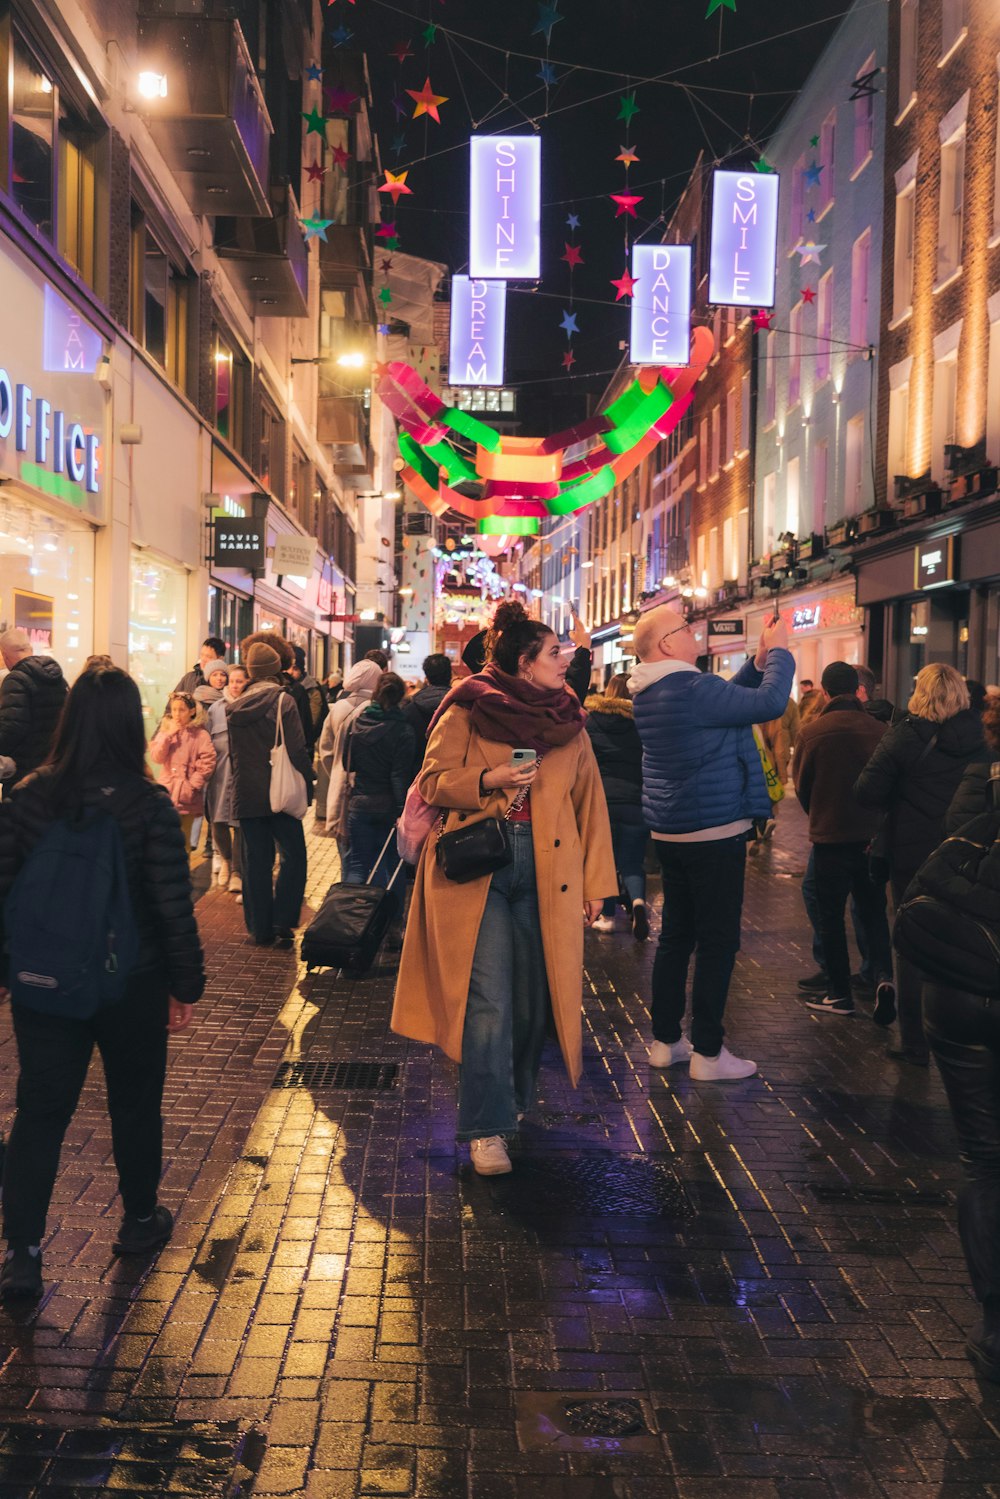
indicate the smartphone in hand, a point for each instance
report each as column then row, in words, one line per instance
column 523, row 757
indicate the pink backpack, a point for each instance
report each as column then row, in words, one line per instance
column 415, row 824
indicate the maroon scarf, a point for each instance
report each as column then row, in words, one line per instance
column 514, row 711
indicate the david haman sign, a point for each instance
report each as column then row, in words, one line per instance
column 478, row 313
column 661, row 305
column 744, row 239
column 238, row 543
column 505, row 207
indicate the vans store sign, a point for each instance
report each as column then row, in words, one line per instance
column 53, row 411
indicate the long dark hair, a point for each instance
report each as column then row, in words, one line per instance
column 100, row 730
column 514, row 634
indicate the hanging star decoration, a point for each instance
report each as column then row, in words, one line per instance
column 808, row 251
column 812, row 174
column 762, row 321
column 398, row 145
column 340, row 100
column 626, row 203
column 569, row 323
column 427, row 102
column 547, row 72
column 568, row 360
column 341, row 35
column 401, row 52
column 808, row 294
column 573, row 220
column 340, row 156
column 762, row 165
column 627, row 108
column 385, row 296
column 573, row 255
column 385, row 266
column 811, row 216
column 429, row 34
column 315, row 228
column 400, row 105
column 626, row 156
column 315, row 172
column 395, row 185
column 314, row 73
column 714, row 5
column 625, row 283
column 386, row 231
column 548, row 16
column 383, row 328
column 814, row 141
column 315, row 123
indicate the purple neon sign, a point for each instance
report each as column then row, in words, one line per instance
column 478, row 313
column 505, row 207
column 69, row 344
column 661, row 305
column 744, row 239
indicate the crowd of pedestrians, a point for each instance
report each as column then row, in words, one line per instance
column 540, row 798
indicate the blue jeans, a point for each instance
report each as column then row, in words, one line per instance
column 508, row 1001
column 272, row 905
column 629, row 836
column 812, row 911
column 365, row 837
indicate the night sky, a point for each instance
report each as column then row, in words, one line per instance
column 729, row 80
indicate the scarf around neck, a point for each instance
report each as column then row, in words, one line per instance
column 513, row 711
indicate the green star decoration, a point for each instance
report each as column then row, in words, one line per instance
column 315, row 123
column 628, row 108
column 385, row 296
column 762, row 165
column 714, row 5
column 316, row 228
column 392, row 243
column 429, row 34
column 814, row 141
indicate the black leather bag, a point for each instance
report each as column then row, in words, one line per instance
column 469, row 853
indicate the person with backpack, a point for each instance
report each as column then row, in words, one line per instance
column 359, row 684
column 318, row 705
column 102, row 948
column 188, row 758
column 618, row 750
column 378, row 757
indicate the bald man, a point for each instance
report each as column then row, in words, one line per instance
column 703, row 786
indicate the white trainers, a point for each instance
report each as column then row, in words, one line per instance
column 725, row 1068
column 223, row 872
column 669, row 1053
column 235, row 886
column 489, row 1156
column 603, row 924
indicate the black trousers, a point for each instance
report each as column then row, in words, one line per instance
column 54, row 1054
column 964, row 1034
column 702, row 907
column 842, row 871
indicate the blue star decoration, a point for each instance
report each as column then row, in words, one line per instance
column 316, row 228
column 813, row 171
column 811, row 216
column 573, row 220
column 314, row 73
column 548, row 16
column 546, row 73
column 569, row 323
column 341, row 36
column 384, row 328
column 398, row 143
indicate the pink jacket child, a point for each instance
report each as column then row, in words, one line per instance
column 187, row 756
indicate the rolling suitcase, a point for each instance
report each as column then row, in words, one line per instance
column 348, row 929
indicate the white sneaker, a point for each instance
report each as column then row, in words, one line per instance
column 489, row 1157
column 603, row 924
column 216, row 861
column 725, row 1068
column 235, row 886
column 223, row 872
column 669, row 1053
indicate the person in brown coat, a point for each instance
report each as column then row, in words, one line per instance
column 832, row 751
column 483, row 961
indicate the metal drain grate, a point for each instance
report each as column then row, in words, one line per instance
column 593, row 1184
column 605, row 1418
column 182, row 1458
column 361, row 1076
column 880, row 1196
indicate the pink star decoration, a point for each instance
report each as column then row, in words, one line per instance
column 626, row 203
column 625, row 283
column 573, row 256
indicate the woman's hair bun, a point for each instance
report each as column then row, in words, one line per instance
column 507, row 614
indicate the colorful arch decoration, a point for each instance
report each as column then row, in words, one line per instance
column 508, row 485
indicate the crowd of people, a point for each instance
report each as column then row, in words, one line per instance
column 544, row 796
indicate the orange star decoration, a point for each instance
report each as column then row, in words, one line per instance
column 625, row 284
column 626, row 203
column 573, row 255
column 395, row 185
column 427, row 102
column 627, row 156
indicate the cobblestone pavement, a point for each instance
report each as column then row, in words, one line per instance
column 683, row 1290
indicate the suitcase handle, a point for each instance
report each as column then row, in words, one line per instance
column 381, row 856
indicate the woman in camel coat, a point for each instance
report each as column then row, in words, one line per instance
column 483, row 961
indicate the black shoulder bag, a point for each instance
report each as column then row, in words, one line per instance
column 482, row 848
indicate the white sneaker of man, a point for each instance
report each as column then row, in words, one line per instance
column 489, row 1156
column 725, row 1068
column 603, row 924
column 669, row 1053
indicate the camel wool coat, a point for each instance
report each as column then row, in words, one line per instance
column 571, row 837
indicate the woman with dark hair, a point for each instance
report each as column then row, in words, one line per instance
column 378, row 757
column 486, row 961
column 98, row 768
column 618, row 749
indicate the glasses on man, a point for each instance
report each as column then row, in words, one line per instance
column 675, row 631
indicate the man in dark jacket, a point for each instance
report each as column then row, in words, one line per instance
column 378, row 751
column 703, row 786
column 880, row 708
column 422, row 706
column 318, row 706
column 832, row 751
column 271, row 912
column 212, row 649
column 31, row 699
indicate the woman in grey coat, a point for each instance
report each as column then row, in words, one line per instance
column 219, row 792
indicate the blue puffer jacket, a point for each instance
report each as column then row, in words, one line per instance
column 700, row 766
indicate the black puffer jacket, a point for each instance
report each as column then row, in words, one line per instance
column 379, row 752
column 253, row 723
column 915, row 791
column 418, row 712
column 31, row 699
column 617, row 747
column 973, row 795
column 156, row 864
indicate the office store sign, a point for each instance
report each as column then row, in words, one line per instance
column 53, row 412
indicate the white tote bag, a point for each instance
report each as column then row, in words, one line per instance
column 288, row 786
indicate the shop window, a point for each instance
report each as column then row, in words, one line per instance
column 33, row 135
column 824, row 326
column 79, row 210
column 301, row 485
column 951, row 207
column 909, row 20
column 47, row 582
column 861, row 255
column 159, row 302
column 232, row 391
column 157, row 633
column 864, row 120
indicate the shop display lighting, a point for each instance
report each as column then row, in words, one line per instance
column 152, row 85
